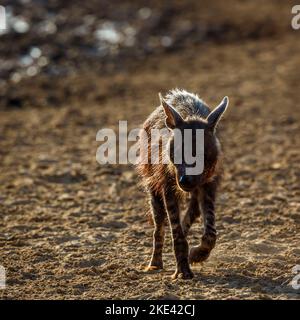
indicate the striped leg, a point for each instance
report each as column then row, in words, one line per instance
column 192, row 213
column 207, row 199
column 180, row 243
column 159, row 214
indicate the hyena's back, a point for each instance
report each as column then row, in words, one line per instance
column 187, row 104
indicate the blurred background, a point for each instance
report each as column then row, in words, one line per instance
column 49, row 40
column 72, row 229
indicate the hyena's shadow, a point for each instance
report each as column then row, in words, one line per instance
column 235, row 280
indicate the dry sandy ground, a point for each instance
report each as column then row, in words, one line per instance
column 72, row 229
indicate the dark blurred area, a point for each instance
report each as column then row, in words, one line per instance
column 48, row 40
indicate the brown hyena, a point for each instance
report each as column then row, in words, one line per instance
column 168, row 184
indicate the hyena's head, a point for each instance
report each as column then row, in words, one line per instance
column 198, row 160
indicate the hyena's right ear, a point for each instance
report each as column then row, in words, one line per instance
column 173, row 118
column 215, row 116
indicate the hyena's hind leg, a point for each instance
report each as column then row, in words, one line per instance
column 192, row 213
column 159, row 215
column 207, row 200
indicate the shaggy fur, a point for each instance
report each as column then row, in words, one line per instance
column 167, row 185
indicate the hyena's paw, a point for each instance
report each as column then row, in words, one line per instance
column 198, row 254
column 185, row 274
column 154, row 266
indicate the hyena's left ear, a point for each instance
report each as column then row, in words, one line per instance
column 173, row 118
column 215, row 116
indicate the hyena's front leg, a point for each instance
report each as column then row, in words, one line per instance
column 159, row 214
column 180, row 243
column 207, row 200
column 192, row 213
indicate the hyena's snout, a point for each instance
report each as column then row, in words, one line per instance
column 187, row 182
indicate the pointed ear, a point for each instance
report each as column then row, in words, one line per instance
column 173, row 118
column 215, row 116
